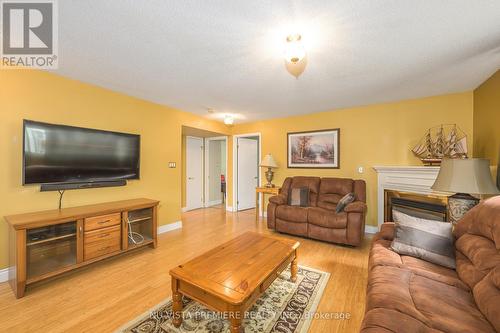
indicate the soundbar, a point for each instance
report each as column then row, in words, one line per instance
column 76, row 186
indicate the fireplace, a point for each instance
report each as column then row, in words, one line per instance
column 427, row 206
column 408, row 189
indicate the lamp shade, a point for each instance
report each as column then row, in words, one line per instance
column 268, row 162
column 470, row 176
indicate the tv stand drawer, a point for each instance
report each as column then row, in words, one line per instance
column 100, row 248
column 103, row 234
column 103, row 221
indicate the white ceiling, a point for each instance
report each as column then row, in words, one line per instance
column 227, row 55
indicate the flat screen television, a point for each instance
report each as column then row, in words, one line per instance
column 59, row 154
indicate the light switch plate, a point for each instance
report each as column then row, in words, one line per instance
column 172, row 164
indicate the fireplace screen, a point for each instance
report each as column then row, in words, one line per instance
column 431, row 207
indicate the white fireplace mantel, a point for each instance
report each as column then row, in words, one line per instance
column 412, row 179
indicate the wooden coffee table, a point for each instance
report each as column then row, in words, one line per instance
column 232, row 276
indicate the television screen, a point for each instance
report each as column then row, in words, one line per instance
column 66, row 154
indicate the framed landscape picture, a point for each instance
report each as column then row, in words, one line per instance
column 314, row 149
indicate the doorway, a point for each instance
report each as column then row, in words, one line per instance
column 215, row 171
column 194, row 172
column 246, row 159
column 204, row 176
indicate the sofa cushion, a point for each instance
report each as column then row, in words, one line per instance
column 478, row 244
column 299, row 196
column 292, row 213
column 327, row 218
column 437, row 305
column 344, row 201
column 476, row 257
column 482, row 220
column 382, row 255
column 331, row 190
column 293, row 228
column 487, row 296
column 310, row 182
column 327, row 234
column 425, row 239
column 359, row 188
column 381, row 320
column 329, row 201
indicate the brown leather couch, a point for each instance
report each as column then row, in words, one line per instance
column 407, row 295
column 319, row 220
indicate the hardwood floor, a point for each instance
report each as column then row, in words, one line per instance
column 104, row 296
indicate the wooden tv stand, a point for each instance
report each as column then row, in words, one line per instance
column 48, row 243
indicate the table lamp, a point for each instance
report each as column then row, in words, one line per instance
column 269, row 163
column 463, row 177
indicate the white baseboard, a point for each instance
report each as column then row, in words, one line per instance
column 169, row 227
column 4, row 274
column 229, row 208
column 184, row 209
column 371, row 229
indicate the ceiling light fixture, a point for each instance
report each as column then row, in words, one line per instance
column 228, row 119
column 294, row 51
column 295, row 55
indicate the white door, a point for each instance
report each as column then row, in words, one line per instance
column 194, row 172
column 248, row 172
column 213, row 159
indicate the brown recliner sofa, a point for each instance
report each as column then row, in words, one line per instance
column 319, row 220
column 406, row 294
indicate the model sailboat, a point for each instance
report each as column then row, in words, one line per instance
column 444, row 141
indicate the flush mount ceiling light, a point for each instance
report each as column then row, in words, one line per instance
column 228, row 119
column 295, row 55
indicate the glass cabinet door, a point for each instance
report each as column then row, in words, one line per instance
column 50, row 248
column 140, row 226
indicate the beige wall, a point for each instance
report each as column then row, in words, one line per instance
column 36, row 95
column 487, row 119
column 380, row 134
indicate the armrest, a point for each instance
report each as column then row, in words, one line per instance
column 387, row 231
column 279, row 199
column 355, row 207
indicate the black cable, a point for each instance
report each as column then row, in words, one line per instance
column 61, row 193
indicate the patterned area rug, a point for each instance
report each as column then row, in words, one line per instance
column 285, row 307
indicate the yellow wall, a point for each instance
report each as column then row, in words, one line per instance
column 371, row 135
column 487, row 119
column 46, row 97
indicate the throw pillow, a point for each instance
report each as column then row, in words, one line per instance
column 429, row 240
column 346, row 199
column 299, row 197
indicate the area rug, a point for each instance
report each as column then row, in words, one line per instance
column 285, row 307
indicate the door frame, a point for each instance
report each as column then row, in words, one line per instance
column 234, row 208
column 187, row 208
column 206, row 161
